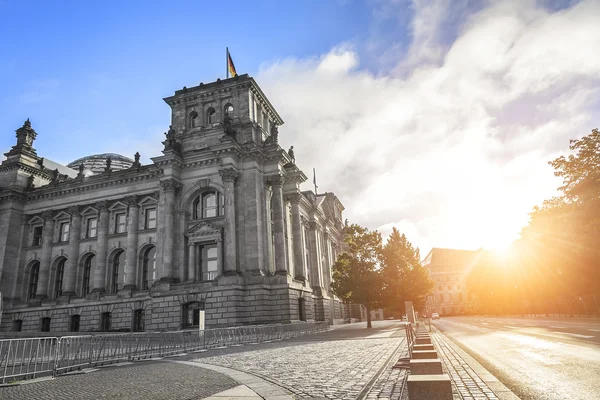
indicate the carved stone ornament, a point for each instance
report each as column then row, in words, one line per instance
column 131, row 201
column 47, row 215
column 274, row 134
column 276, row 180
column 293, row 198
column 24, row 219
column 204, row 230
column 229, row 174
column 26, row 135
column 102, row 206
column 170, row 185
column 312, row 225
column 73, row 210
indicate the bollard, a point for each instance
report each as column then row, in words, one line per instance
column 429, row 387
column 424, row 354
column 426, row 367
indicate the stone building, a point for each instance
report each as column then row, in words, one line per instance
column 216, row 222
column 448, row 269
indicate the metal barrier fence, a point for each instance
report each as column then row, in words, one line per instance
column 34, row 357
column 410, row 338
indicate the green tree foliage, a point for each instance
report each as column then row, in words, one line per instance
column 556, row 259
column 356, row 276
column 403, row 276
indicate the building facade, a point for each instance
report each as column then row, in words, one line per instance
column 217, row 222
column 448, row 269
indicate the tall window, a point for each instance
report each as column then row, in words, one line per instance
column 33, row 279
column 58, row 283
column 37, row 235
column 45, row 324
column 87, row 271
column 92, row 227
column 64, row 232
column 148, row 268
column 209, row 205
column 210, row 265
column 74, row 323
column 117, row 267
column 301, row 309
column 139, row 320
column 105, row 320
column 120, row 223
column 210, row 115
column 191, row 314
column 193, row 119
column 150, row 222
column 17, row 325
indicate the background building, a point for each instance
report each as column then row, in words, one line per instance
column 217, row 221
column 448, row 269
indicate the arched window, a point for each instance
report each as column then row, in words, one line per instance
column 210, row 116
column 34, row 275
column 228, row 109
column 60, row 272
column 148, row 268
column 208, row 205
column 88, row 264
column 118, row 267
column 193, row 119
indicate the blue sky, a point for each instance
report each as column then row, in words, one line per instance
column 437, row 117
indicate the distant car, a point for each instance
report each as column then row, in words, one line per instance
column 435, row 315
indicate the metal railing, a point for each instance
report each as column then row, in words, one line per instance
column 34, row 357
column 410, row 338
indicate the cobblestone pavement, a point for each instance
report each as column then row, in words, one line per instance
column 466, row 384
column 142, row 380
column 339, row 364
column 391, row 384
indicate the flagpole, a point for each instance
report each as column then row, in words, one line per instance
column 226, row 62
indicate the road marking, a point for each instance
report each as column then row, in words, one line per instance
column 575, row 334
column 557, row 327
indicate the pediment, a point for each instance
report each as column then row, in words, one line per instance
column 204, row 229
column 117, row 205
column 36, row 220
column 62, row 215
column 89, row 210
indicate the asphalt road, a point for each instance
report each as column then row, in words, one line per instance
column 535, row 358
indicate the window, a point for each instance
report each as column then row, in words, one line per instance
column 193, row 119
column 210, row 115
column 229, row 110
column 92, row 227
column 45, row 324
column 64, row 232
column 34, row 275
column 150, row 222
column 37, row 235
column 148, row 268
column 301, row 309
column 120, row 223
column 210, row 268
column 105, row 319
column 58, row 283
column 87, row 271
column 191, row 314
column 209, row 205
column 74, row 323
column 118, row 265
column 17, row 325
column 138, row 320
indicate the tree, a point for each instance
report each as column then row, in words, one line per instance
column 356, row 276
column 405, row 279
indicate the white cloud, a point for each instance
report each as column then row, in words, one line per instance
column 452, row 145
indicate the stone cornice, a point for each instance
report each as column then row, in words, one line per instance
column 28, row 169
column 117, row 178
column 10, row 194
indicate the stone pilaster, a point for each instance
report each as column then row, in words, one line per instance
column 133, row 218
column 102, row 240
column 315, row 256
column 299, row 267
column 278, row 225
column 46, row 258
column 229, row 177
column 169, row 190
column 71, row 263
column 192, row 249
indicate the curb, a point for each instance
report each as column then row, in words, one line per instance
column 499, row 389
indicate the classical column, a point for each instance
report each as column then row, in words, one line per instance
column 280, row 258
column 46, row 258
column 297, row 232
column 132, row 242
column 170, row 187
column 102, row 240
column 192, row 261
column 71, row 264
column 229, row 176
column 315, row 256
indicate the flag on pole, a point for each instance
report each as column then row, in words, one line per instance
column 230, row 67
column 315, row 180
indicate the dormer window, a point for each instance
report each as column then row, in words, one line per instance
column 193, row 119
column 210, row 116
column 209, row 205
